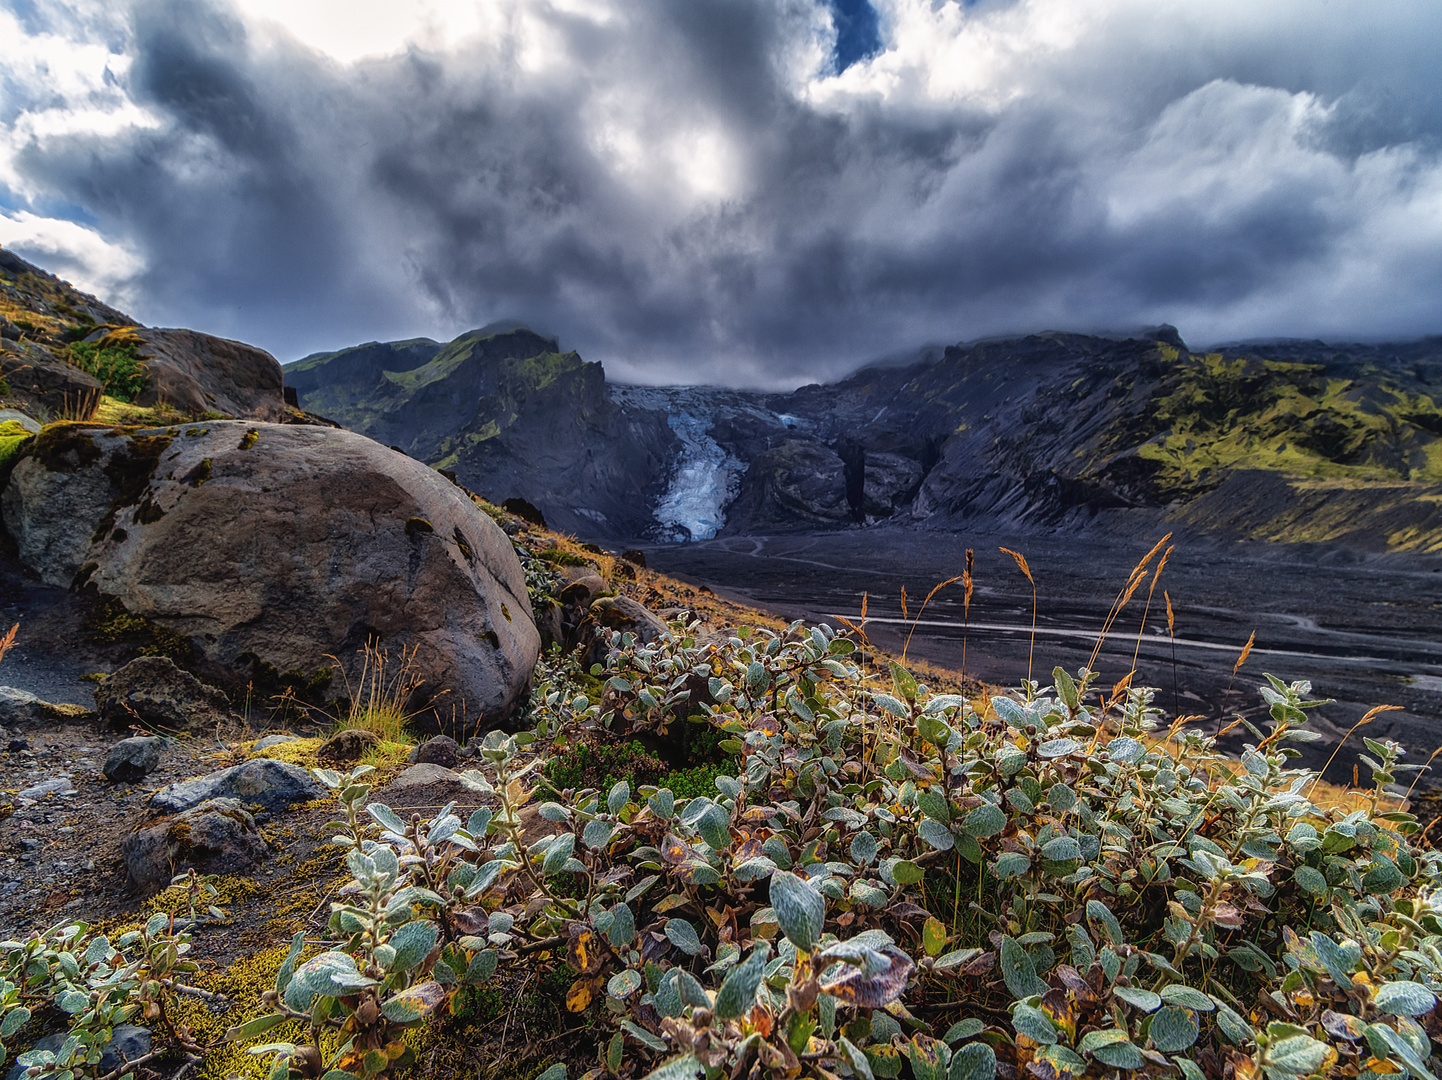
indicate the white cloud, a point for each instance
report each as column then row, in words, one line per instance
column 83, row 256
column 688, row 189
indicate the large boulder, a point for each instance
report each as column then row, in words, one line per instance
column 153, row 692
column 216, row 837
column 197, row 373
column 280, row 551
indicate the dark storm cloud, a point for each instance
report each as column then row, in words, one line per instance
column 672, row 190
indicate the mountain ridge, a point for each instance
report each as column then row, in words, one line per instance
column 1046, row 430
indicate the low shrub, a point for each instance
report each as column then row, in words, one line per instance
column 117, row 365
column 1127, row 899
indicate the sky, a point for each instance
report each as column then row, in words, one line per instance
column 744, row 192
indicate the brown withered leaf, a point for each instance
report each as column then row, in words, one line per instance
column 1061, row 1010
column 981, row 965
column 583, row 951
column 749, row 848
column 875, row 991
column 475, row 920
column 758, row 815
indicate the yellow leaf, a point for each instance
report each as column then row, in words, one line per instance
column 578, row 997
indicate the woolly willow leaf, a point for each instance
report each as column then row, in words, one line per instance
column 738, row 989
column 863, row 848
column 618, row 798
column 683, row 935
column 414, row 1003
column 975, row 1061
column 623, row 984
column 936, row 834
column 685, row 1067
column 557, row 852
column 1173, row 1029
column 1139, row 998
column 597, row 833
column 1405, row 999
column 800, row 909
column 412, row 943
column 1299, row 1055
column 1018, row 970
column 986, row 820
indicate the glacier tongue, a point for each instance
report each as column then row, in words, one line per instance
column 705, row 476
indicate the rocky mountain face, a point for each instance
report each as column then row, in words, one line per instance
column 510, row 415
column 1295, row 441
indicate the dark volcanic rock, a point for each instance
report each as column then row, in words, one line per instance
column 511, row 415
column 273, row 785
column 216, row 836
column 153, row 692
column 442, row 751
column 130, row 760
column 348, row 746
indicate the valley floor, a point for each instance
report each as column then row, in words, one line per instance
column 1365, row 629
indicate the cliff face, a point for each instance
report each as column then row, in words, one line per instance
column 511, row 415
column 1290, row 440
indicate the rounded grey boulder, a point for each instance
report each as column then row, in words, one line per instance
column 280, row 551
column 263, row 782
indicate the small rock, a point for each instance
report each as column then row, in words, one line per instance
column 61, row 785
column 49, row 1042
column 635, row 557
column 271, row 740
column 271, row 784
column 420, row 775
column 349, row 745
column 16, row 745
column 131, row 759
column 154, row 692
column 19, row 708
column 442, row 750
column 428, row 786
column 217, row 837
column 127, row 1042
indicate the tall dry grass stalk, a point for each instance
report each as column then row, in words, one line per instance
column 1371, row 715
column 1246, row 652
column 1020, row 560
column 1134, row 582
column 1172, row 633
column 379, row 700
column 966, row 586
column 907, row 644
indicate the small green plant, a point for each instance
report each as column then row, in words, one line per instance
column 70, row 974
column 117, row 365
column 379, row 702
